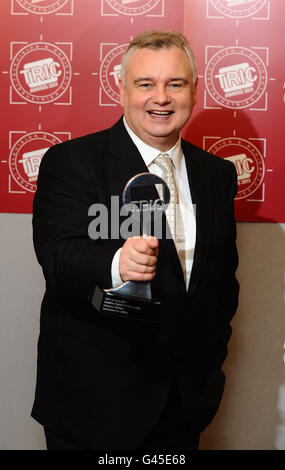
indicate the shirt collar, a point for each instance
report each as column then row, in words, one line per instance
column 149, row 153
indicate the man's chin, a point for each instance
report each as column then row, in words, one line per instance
column 159, row 140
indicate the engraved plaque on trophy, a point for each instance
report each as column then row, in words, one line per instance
column 133, row 299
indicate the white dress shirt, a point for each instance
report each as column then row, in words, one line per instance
column 185, row 201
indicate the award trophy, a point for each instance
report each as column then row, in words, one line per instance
column 133, row 299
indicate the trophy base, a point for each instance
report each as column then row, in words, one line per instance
column 126, row 306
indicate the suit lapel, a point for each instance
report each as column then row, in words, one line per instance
column 125, row 159
column 201, row 192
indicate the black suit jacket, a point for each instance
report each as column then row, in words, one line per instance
column 103, row 381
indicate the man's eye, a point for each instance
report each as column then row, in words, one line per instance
column 145, row 85
column 175, row 85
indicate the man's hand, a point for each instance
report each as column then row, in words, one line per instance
column 138, row 259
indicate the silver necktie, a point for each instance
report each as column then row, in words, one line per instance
column 173, row 212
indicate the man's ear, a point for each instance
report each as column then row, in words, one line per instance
column 122, row 92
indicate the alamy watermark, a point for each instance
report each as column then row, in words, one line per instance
column 140, row 217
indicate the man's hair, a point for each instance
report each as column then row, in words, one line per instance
column 157, row 40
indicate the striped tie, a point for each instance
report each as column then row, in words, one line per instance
column 173, row 212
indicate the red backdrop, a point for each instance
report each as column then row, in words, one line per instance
column 59, row 71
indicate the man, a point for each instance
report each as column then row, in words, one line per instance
column 106, row 382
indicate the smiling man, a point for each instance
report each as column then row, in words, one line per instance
column 114, row 383
column 158, row 94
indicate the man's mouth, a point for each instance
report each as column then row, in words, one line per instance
column 160, row 113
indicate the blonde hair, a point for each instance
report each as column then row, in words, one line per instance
column 155, row 39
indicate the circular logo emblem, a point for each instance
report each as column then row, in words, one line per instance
column 238, row 8
column 236, row 77
column 110, row 71
column 40, row 72
column 42, row 7
column 133, row 7
column 26, row 155
column 247, row 160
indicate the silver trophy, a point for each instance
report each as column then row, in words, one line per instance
column 133, row 299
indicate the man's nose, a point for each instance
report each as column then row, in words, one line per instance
column 160, row 95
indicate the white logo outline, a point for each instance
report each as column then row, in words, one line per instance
column 62, row 60
column 257, row 158
column 228, row 10
column 104, row 73
column 247, row 55
column 15, row 153
column 124, row 9
column 32, row 6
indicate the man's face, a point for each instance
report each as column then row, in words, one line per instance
column 158, row 96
